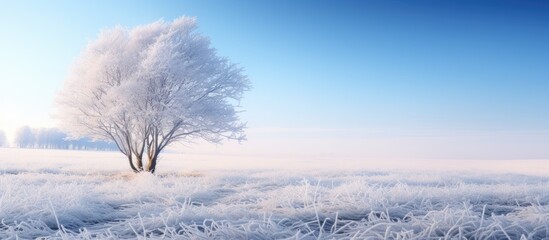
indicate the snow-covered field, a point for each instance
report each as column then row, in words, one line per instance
column 89, row 195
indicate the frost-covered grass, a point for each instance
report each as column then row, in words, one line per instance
column 87, row 195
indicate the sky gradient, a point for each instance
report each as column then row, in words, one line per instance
column 357, row 79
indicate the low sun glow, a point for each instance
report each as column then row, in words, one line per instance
column 11, row 120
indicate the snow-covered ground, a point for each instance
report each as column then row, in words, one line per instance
column 88, row 195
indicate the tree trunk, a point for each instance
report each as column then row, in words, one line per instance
column 131, row 164
column 151, row 166
column 139, row 163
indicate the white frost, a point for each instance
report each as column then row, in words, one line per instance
column 89, row 195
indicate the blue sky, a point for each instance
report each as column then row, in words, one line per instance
column 459, row 79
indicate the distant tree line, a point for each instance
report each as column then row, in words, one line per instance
column 3, row 139
column 53, row 138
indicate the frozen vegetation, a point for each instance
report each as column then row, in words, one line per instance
column 91, row 195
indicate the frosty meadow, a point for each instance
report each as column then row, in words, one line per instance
column 91, row 195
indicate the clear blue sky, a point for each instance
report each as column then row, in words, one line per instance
column 408, row 71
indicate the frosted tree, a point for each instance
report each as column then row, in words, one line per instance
column 148, row 87
column 24, row 137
